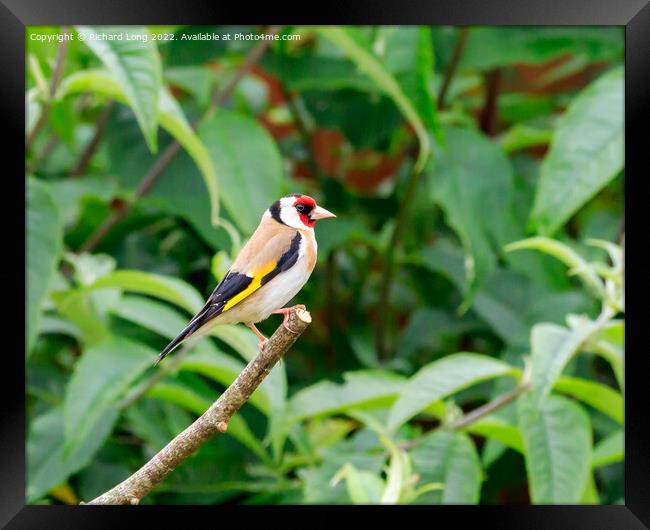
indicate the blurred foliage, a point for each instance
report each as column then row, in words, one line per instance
column 508, row 270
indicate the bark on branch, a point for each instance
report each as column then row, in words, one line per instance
column 214, row 420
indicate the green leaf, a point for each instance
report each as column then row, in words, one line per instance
column 325, row 432
column 522, row 135
column 239, row 338
column 399, row 475
column 360, row 451
column 445, row 258
column 44, row 242
column 33, row 111
column 496, row 428
column 174, row 121
column 586, row 153
column 47, row 464
column 100, row 378
column 146, row 420
column 609, row 450
column 364, row 487
column 166, row 288
column 179, row 394
column 88, row 268
column 491, row 47
column 512, row 305
column 130, row 55
column 195, row 80
column 350, row 41
column 505, row 301
column 566, row 255
column 609, row 344
column 366, row 120
column 50, row 324
column 81, row 310
column 508, row 301
column 472, row 182
column 180, row 190
column 492, row 451
column 205, row 358
column 590, row 494
column 70, row 193
column 432, row 329
column 224, row 369
column 557, row 441
column 407, row 54
column 151, row 314
column 450, row 458
column 88, row 310
column 169, row 114
column 316, row 72
column 63, row 118
column 361, row 389
column 248, row 162
column 599, row 396
column 442, row 378
column 552, row 347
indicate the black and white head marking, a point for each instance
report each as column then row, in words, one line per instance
column 285, row 211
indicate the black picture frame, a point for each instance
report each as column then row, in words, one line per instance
column 634, row 15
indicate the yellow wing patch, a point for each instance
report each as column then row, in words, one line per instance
column 254, row 285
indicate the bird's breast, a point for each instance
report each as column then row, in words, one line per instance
column 280, row 290
column 287, row 284
column 309, row 249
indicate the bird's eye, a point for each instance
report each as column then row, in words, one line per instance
column 300, row 208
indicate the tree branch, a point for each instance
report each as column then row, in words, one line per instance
column 57, row 73
column 459, row 48
column 389, row 263
column 476, row 414
column 149, row 179
column 90, row 148
column 214, row 420
column 489, row 408
column 47, row 151
column 253, row 56
column 304, row 130
column 489, row 114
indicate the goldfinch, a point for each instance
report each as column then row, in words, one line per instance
column 269, row 271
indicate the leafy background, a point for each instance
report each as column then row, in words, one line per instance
column 477, row 177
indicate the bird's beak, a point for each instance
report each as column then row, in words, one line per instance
column 321, row 213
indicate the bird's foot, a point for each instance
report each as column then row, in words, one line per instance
column 263, row 340
column 286, row 311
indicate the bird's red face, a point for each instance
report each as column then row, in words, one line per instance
column 309, row 212
column 305, row 205
column 298, row 211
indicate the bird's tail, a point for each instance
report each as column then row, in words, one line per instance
column 193, row 328
column 173, row 345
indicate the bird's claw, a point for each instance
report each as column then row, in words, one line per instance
column 286, row 326
column 286, row 311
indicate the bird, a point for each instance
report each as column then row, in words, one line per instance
column 270, row 269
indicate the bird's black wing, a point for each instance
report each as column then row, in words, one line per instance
column 235, row 287
column 231, row 285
